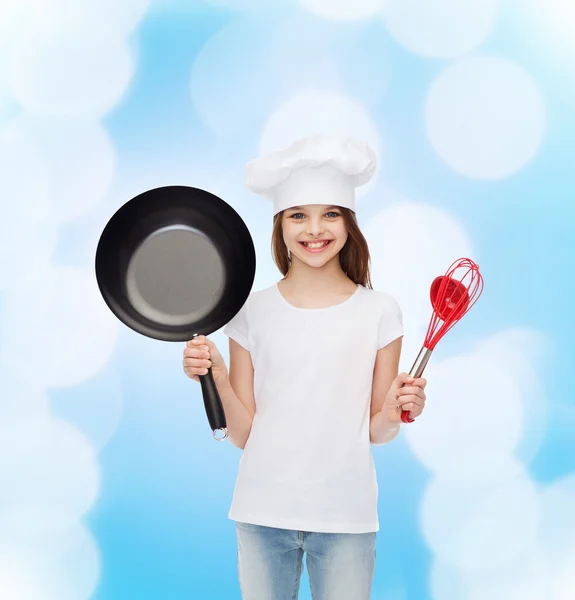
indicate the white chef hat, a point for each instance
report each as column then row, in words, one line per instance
column 321, row 169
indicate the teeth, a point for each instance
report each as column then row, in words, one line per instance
column 315, row 244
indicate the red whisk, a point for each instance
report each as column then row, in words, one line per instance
column 452, row 295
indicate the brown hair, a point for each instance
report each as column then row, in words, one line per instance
column 354, row 257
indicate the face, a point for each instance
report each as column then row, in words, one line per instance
column 314, row 233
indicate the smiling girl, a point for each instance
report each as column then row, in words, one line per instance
column 313, row 383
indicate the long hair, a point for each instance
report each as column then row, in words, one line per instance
column 354, row 257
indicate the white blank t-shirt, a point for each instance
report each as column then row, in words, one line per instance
column 307, row 464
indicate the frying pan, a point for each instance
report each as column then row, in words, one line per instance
column 176, row 262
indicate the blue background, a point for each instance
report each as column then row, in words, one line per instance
column 160, row 520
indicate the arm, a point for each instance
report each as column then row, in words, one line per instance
column 381, row 430
column 237, row 393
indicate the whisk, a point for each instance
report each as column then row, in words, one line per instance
column 452, row 296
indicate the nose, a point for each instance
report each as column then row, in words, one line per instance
column 315, row 226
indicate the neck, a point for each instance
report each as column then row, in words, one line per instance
column 316, row 279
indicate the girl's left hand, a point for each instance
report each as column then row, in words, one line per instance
column 405, row 393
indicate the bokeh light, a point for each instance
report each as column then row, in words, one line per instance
column 440, row 28
column 60, row 562
column 344, row 10
column 434, row 237
column 76, row 67
column 80, row 160
column 62, row 310
column 47, row 463
column 479, row 528
column 485, row 117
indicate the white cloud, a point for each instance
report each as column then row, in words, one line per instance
column 525, row 579
column 477, row 528
column 508, row 590
column 564, row 577
column 485, row 117
column 558, row 519
column 61, row 313
column 440, row 28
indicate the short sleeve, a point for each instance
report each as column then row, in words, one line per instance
column 391, row 322
column 238, row 327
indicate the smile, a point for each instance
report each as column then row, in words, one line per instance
column 316, row 247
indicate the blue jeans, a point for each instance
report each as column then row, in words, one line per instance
column 270, row 563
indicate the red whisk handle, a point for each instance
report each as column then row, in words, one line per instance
column 405, row 417
column 415, row 372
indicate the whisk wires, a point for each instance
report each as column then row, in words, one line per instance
column 452, row 296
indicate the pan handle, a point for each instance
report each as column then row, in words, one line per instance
column 213, row 406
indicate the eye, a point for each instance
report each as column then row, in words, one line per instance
column 333, row 213
column 296, row 214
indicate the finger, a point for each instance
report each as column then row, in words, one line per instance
column 197, row 341
column 191, row 375
column 204, row 341
column 201, row 352
column 413, row 404
column 403, row 379
column 410, row 400
column 414, row 410
column 193, row 353
column 193, row 362
column 197, row 363
column 420, row 382
column 195, row 371
column 411, row 390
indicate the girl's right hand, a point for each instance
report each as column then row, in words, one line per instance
column 199, row 355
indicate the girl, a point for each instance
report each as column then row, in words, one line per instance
column 313, row 380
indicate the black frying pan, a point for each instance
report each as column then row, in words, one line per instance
column 176, row 262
